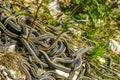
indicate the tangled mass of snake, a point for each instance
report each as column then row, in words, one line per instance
column 39, row 56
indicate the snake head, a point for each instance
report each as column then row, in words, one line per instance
column 78, row 63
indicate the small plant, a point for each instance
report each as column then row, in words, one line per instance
column 99, row 50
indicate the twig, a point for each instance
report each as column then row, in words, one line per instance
column 32, row 25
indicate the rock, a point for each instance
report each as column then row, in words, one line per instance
column 114, row 46
column 54, row 8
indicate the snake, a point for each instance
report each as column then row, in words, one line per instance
column 25, row 70
column 53, row 44
column 6, row 31
column 66, row 60
column 65, row 69
column 11, row 20
column 26, row 44
column 82, row 73
column 61, row 49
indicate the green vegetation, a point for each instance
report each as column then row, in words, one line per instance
column 97, row 15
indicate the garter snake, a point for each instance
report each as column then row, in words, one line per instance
column 66, row 60
column 65, row 69
column 53, row 44
column 25, row 70
column 6, row 31
column 26, row 44
column 12, row 22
